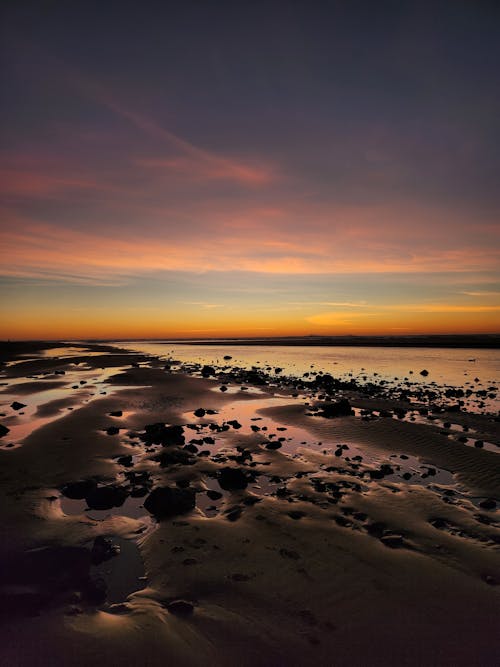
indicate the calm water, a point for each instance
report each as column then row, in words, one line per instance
column 447, row 367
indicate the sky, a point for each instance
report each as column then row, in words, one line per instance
column 206, row 169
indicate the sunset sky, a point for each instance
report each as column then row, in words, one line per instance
column 198, row 169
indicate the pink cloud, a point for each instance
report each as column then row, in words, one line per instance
column 36, row 183
column 213, row 168
column 189, row 159
column 31, row 249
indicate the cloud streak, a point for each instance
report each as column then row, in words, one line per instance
column 189, row 159
column 33, row 249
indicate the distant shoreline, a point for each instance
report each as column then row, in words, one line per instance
column 485, row 341
column 477, row 341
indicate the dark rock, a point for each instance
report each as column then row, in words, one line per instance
column 223, row 388
column 112, row 430
column 233, row 514
column 78, row 490
column 326, row 381
column 174, row 456
column 255, row 378
column 125, row 461
column 164, row 502
column 320, row 487
column 232, row 478
column 424, row 372
column 200, row 412
column 273, row 444
column 488, row 504
column 3, row 430
column 296, row 514
column 342, row 521
column 102, row 550
column 134, row 477
column 287, row 553
column 207, row 371
column 106, row 497
column 180, row 607
column 116, row 413
column 159, row 434
column 376, row 528
column 17, row 406
column 214, row 495
column 340, row 409
column 251, row 500
column 227, row 357
column 392, row 541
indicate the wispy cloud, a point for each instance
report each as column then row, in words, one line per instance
column 202, row 304
column 212, row 168
column 339, row 304
column 188, row 158
column 447, row 308
column 484, row 293
column 381, row 310
column 24, row 183
column 35, row 249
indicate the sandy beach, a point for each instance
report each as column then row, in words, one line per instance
column 158, row 513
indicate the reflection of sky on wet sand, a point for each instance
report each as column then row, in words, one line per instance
column 63, row 352
column 23, row 422
column 297, row 440
column 132, row 507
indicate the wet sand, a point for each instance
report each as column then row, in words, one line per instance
column 260, row 531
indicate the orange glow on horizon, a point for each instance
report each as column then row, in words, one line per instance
column 138, row 325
